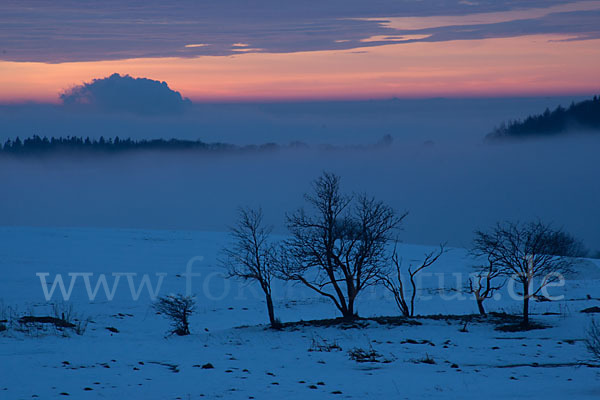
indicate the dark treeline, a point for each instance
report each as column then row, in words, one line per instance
column 584, row 115
column 36, row 145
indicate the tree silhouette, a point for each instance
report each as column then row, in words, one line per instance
column 338, row 247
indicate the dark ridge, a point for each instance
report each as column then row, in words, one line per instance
column 584, row 115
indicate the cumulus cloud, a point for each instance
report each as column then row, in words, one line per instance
column 123, row 93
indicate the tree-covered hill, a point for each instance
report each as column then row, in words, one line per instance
column 582, row 116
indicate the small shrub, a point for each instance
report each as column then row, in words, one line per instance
column 68, row 317
column 593, row 339
column 177, row 308
column 320, row 344
column 63, row 311
column 7, row 317
column 426, row 360
column 81, row 326
column 361, row 355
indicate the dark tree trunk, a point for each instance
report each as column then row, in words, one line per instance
column 526, row 304
column 185, row 326
column 405, row 310
column 271, row 311
column 480, row 306
column 348, row 314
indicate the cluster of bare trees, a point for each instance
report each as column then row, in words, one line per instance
column 339, row 245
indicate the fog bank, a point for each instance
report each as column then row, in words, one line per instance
column 337, row 122
column 449, row 189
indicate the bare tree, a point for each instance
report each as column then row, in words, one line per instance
column 394, row 282
column 252, row 256
column 527, row 252
column 178, row 308
column 484, row 283
column 338, row 248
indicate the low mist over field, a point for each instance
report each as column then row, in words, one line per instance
column 449, row 188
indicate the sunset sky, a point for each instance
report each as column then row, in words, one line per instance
column 328, row 50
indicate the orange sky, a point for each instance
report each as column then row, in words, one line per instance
column 526, row 65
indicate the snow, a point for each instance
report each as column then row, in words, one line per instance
column 251, row 361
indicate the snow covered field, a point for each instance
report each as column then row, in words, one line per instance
column 438, row 358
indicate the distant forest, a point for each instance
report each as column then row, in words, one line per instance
column 40, row 146
column 37, row 145
column 584, row 115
